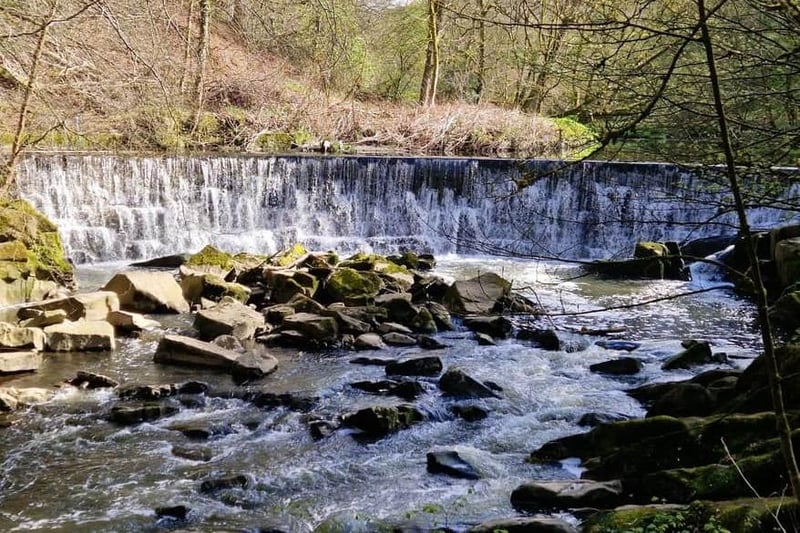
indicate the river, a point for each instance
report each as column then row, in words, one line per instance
column 66, row 468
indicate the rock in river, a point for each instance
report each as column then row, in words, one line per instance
column 179, row 350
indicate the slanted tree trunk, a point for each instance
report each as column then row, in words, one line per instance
column 760, row 293
column 202, row 57
column 7, row 172
column 430, row 74
column 481, row 74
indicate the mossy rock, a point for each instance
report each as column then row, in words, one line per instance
column 786, row 311
column 212, row 260
column 746, row 515
column 290, row 256
column 31, row 246
column 362, row 261
column 765, row 473
column 353, row 287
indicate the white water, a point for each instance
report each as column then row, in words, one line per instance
column 125, row 208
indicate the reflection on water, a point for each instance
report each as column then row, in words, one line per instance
column 64, row 468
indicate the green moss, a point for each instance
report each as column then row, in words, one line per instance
column 289, row 256
column 353, row 286
column 211, row 256
column 573, row 132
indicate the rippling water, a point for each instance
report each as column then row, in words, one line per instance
column 64, row 468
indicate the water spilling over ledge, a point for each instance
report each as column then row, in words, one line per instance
column 125, row 208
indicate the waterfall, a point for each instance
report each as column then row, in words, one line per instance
column 112, row 207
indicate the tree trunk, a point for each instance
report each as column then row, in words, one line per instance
column 430, row 75
column 17, row 144
column 187, row 49
column 481, row 74
column 202, row 56
column 773, row 369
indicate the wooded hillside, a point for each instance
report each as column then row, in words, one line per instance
column 430, row 76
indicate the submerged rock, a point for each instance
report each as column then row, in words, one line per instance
column 407, row 390
column 624, row 366
column 420, row 366
column 377, row 422
column 127, row 415
column 450, row 463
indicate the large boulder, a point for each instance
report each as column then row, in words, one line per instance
column 211, row 261
column 228, row 317
column 419, row 366
column 148, row 292
column 477, row 296
column 179, row 350
column 16, row 337
column 284, row 285
column 785, row 312
column 80, row 336
column 32, row 261
column 353, row 287
column 14, row 362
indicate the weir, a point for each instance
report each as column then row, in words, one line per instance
column 112, row 207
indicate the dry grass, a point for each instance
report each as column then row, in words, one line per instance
column 120, row 93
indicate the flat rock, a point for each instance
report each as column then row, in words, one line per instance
column 148, row 292
column 165, row 261
column 369, row 341
column 180, row 350
column 128, row 322
column 695, row 353
column 398, row 339
column 420, row 366
column 624, row 346
column 450, row 463
column 14, row 362
column 519, row 524
column 88, row 306
column 44, row 318
column 317, row 327
column 80, row 336
column 193, row 453
column 228, row 317
column 546, row 495
column 372, row 361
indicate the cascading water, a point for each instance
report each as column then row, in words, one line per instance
column 125, row 208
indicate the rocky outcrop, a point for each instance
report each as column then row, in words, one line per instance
column 16, row 337
column 32, row 262
column 353, row 287
column 148, row 292
column 87, row 306
column 651, row 260
column 80, row 336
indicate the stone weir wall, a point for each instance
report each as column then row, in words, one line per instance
column 124, row 208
